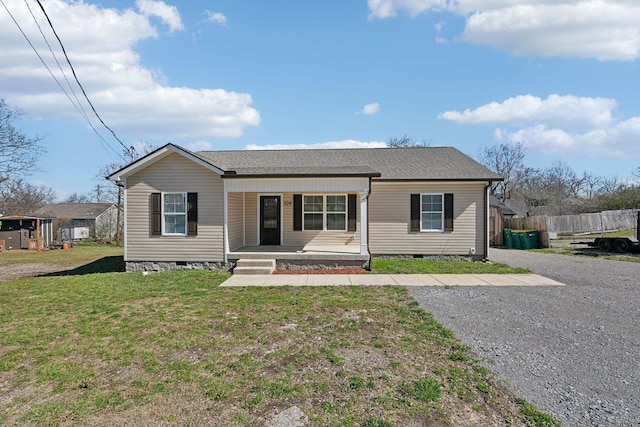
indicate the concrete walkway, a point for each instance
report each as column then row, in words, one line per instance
column 390, row 280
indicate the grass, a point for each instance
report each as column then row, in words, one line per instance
column 96, row 347
column 89, row 257
column 535, row 417
column 565, row 246
column 425, row 266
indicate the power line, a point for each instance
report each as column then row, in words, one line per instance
column 77, row 106
column 76, row 77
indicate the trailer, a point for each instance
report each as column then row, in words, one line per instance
column 620, row 245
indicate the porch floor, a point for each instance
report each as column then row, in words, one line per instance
column 296, row 253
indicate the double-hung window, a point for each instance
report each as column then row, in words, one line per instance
column 431, row 212
column 174, row 214
column 324, row 212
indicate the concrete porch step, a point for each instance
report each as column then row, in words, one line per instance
column 255, row 266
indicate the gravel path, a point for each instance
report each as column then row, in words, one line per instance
column 573, row 351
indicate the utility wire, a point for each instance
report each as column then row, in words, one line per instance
column 76, row 104
column 79, row 107
column 76, row 78
column 103, row 141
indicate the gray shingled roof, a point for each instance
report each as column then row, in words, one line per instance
column 416, row 163
column 74, row 210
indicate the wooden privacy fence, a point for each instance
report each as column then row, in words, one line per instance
column 594, row 222
column 496, row 227
column 566, row 225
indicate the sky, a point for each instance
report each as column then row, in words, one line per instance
column 561, row 77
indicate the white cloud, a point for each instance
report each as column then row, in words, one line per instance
column 347, row 143
column 612, row 142
column 567, row 125
column 370, row 109
column 439, row 27
column 200, row 146
column 129, row 97
column 167, row 14
column 568, row 110
column 602, row 29
column 215, row 18
column 389, row 8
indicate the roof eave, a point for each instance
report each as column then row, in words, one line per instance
column 301, row 175
column 438, row 179
column 156, row 155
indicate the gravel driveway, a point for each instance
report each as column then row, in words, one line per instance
column 573, row 351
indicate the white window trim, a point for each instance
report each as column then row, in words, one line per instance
column 325, row 212
column 163, row 214
column 432, row 230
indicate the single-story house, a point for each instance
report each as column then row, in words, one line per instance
column 79, row 221
column 334, row 207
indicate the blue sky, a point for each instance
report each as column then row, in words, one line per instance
column 561, row 77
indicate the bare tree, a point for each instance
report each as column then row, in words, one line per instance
column 106, row 191
column 610, row 185
column 592, row 185
column 507, row 161
column 532, row 191
column 77, row 198
column 405, row 142
column 114, row 193
column 18, row 153
column 18, row 197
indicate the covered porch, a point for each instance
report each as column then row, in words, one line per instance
column 300, row 222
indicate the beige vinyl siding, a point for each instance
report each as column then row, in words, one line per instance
column 390, row 215
column 251, row 218
column 235, row 220
column 348, row 241
column 175, row 173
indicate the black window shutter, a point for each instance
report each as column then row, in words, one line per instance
column 192, row 214
column 415, row 212
column 351, row 212
column 297, row 212
column 448, row 212
column 156, row 212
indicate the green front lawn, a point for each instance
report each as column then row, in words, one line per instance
column 97, row 347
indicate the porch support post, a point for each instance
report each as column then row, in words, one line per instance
column 364, row 224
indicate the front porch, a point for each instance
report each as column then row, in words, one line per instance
column 299, row 258
column 301, row 223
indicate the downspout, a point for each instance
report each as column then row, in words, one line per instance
column 487, row 228
column 225, row 236
column 368, row 228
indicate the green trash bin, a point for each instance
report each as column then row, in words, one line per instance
column 529, row 239
column 508, row 238
column 516, row 237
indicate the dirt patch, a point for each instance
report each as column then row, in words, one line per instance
column 14, row 272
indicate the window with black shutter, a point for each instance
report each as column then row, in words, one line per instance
column 431, row 212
